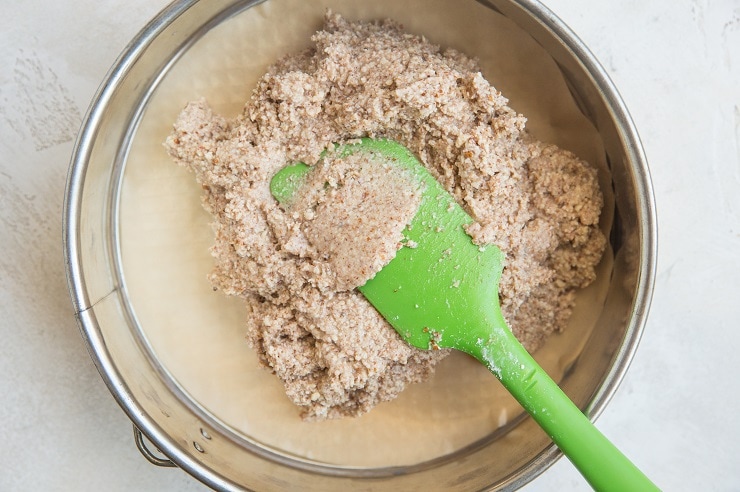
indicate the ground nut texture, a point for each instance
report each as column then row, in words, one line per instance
column 335, row 355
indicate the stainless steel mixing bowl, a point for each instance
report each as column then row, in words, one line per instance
column 190, row 438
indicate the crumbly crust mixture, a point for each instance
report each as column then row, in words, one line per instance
column 352, row 211
column 334, row 353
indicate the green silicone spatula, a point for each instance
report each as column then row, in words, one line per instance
column 443, row 293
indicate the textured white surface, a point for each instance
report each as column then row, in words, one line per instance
column 677, row 66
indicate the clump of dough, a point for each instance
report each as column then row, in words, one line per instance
column 334, row 353
column 343, row 211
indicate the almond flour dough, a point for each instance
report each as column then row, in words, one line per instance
column 343, row 214
column 335, row 355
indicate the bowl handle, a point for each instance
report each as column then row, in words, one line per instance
column 151, row 456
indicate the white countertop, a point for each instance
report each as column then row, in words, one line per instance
column 677, row 66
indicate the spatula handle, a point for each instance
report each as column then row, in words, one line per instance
column 598, row 460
